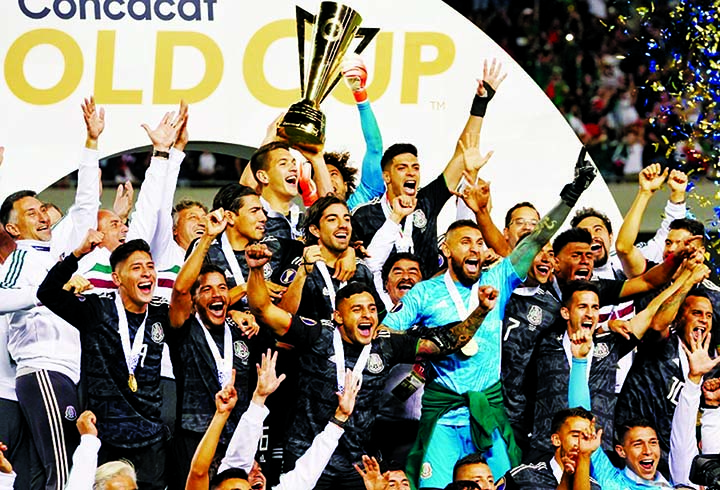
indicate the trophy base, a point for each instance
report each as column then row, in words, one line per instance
column 303, row 124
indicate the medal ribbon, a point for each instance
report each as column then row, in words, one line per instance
column 132, row 354
column 405, row 243
column 223, row 364
column 232, row 261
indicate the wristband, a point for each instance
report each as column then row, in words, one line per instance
column 479, row 105
column 161, row 154
column 338, row 422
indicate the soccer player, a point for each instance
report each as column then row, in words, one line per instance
column 474, row 467
column 445, row 434
column 211, row 344
column 45, row 348
column 567, row 427
column 246, row 223
column 351, row 342
column 401, row 171
column 122, row 339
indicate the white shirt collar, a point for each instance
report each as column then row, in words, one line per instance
column 659, row 480
column 556, row 469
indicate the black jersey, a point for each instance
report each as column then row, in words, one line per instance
column 125, row 419
column 369, row 217
column 549, row 376
column 281, row 269
column 652, row 387
column 317, row 399
column 529, row 312
column 315, row 301
column 537, row 476
column 197, row 379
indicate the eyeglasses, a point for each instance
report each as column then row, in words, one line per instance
column 523, row 222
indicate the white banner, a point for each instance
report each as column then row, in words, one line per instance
column 236, row 63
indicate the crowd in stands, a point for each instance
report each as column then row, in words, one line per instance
column 257, row 342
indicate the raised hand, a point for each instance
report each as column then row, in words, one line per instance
column 226, row 398
column 257, row 255
column 92, row 240
column 652, row 177
column 370, row 473
column 78, row 284
column 86, row 423
column 677, row 182
column 589, row 440
column 473, row 159
column 402, row 206
column 584, row 175
column 124, row 200
column 580, row 343
column 346, row 398
column 698, row 357
column 164, row 135
column 569, row 463
column 621, row 327
column 215, row 223
column 268, row 381
column 311, row 255
column 476, row 196
column 488, row 296
column 183, row 135
column 700, row 272
column 346, row 265
column 5, row 466
column 711, row 392
column 491, row 80
column 355, row 75
column 94, row 121
column 245, row 322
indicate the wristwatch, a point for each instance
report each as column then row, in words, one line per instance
column 161, row 154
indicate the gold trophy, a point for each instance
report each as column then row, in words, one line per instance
column 334, row 28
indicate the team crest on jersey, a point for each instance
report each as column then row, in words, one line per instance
column 601, row 350
column 267, row 271
column 308, row 321
column 375, row 364
column 534, row 316
column 241, row 350
column 426, row 471
column 70, row 413
column 157, row 333
column 288, row 276
column 419, row 219
column 398, row 306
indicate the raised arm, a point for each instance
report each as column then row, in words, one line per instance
column 524, row 253
column 181, row 299
column 441, row 341
column 650, row 180
column 85, row 457
column 225, row 400
column 261, row 305
column 492, row 78
column 668, row 310
column 290, row 301
column 477, row 198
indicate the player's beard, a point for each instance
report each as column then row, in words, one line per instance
column 461, row 275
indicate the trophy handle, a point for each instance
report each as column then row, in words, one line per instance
column 367, row 34
column 302, row 17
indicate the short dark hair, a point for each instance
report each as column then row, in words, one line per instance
column 260, row 161
column 621, row 430
column 575, row 286
column 393, row 259
column 351, row 289
column 696, row 292
column 473, row 458
column 9, row 203
column 395, row 150
column 691, row 225
column 591, row 213
column 572, row 235
column 340, row 161
column 184, row 204
column 204, row 270
column 315, row 212
column 462, row 223
column 562, row 415
column 229, row 197
column 524, row 204
column 228, row 474
column 126, row 249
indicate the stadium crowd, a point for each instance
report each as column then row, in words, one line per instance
column 253, row 342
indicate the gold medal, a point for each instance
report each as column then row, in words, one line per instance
column 132, row 383
column 470, row 349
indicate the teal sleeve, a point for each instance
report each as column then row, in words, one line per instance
column 371, row 183
column 579, row 392
column 608, row 476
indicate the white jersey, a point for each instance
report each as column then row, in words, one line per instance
column 7, row 365
column 37, row 338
